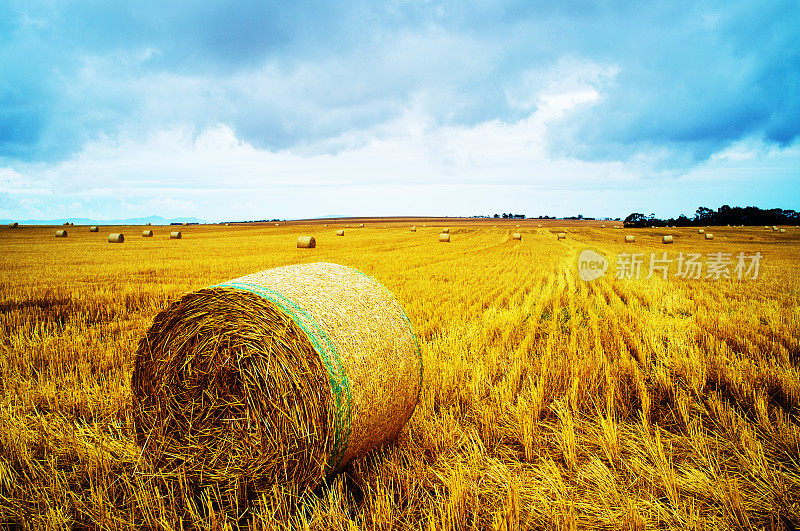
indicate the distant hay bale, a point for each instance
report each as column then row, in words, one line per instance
column 275, row 379
column 340, row 232
column 66, row 223
column 516, row 236
column 517, row 225
column 325, row 225
column 116, row 237
column 700, row 231
column 14, row 225
column 616, row 226
column 539, row 225
column 630, row 239
column 666, row 239
column 147, row 234
column 709, row 236
column 766, row 227
column 361, row 226
column 444, row 237
column 446, row 231
column 774, row 228
column 413, row 229
column 306, row 242
column 175, row 235
column 561, row 236
column 602, row 226
column 61, row 234
column 424, row 226
column 782, row 231
column 277, row 224
column 94, row 228
column 347, row 226
column 148, row 223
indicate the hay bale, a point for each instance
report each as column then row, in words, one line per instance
column 306, row 242
column 361, row 226
column 413, row 229
column 516, row 236
column 539, row 225
column 347, row 226
column 602, row 226
column 630, row 238
column 666, row 239
column 444, row 237
column 116, row 237
column 446, row 231
column 14, row 225
column 275, row 378
column 782, row 231
column 340, row 232
column 766, row 227
column 700, row 231
column 61, row 234
column 424, row 226
column 561, row 236
column 175, row 235
column 148, row 223
column 94, row 228
column 147, row 234
column 774, row 228
column 709, row 236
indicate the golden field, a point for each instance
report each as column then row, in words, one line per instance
column 547, row 403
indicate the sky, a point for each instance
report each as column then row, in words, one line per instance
column 238, row 109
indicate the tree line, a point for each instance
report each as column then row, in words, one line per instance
column 724, row 215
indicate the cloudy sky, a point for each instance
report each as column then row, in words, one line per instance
column 245, row 109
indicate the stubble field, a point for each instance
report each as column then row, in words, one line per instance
column 547, row 402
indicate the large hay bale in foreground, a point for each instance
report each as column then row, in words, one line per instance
column 279, row 377
column 666, row 239
column 516, row 236
column 306, row 242
column 116, row 237
column 61, row 234
column 444, row 238
column 147, row 234
column 175, row 235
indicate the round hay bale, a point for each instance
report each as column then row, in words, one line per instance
column 766, row 227
column 347, row 226
column 602, row 226
column 630, row 238
column 61, row 234
column 306, row 242
column 540, row 226
column 148, row 223
column 116, row 237
column 147, row 234
column 446, row 231
column 444, row 238
column 413, row 229
column 774, row 228
column 782, row 231
column 275, row 378
column 94, row 228
column 709, row 236
column 700, row 231
column 175, row 235
column 14, row 225
column 561, row 236
column 516, row 236
column 340, row 232
column 666, row 239
column 424, row 226
column 361, row 226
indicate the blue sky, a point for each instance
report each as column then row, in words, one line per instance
column 244, row 110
